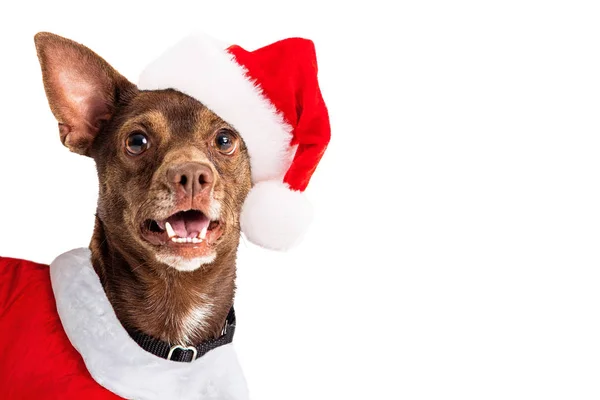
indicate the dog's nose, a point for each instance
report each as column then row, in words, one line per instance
column 191, row 178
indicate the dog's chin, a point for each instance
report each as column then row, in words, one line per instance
column 185, row 264
column 185, row 240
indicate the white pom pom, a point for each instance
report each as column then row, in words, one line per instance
column 274, row 216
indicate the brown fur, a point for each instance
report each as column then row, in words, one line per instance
column 146, row 294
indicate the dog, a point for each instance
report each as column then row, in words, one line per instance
column 176, row 178
column 186, row 174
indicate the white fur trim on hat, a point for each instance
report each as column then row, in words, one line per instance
column 202, row 68
column 274, row 216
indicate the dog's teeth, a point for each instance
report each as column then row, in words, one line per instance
column 177, row 239
column 203, row 233
column 170, row 230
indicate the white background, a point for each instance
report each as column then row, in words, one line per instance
column 455, row 252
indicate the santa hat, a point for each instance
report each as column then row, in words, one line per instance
column 271, row 96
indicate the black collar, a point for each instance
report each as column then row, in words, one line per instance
column 178, row 352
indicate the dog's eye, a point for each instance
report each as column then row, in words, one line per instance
column 137, row 143
column 226, row 142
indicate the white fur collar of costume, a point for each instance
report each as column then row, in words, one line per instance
column 116, row 362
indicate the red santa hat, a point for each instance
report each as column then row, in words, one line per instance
column 271, row 96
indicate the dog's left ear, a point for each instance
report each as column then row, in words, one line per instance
column 82, row 89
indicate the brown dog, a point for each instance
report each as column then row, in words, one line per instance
column 173, row 177
column 213, row 141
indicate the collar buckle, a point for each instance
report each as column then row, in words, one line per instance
column 183, row 348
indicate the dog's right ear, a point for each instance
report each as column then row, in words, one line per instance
column 82, row 89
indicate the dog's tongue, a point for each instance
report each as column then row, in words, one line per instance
column 188, row 224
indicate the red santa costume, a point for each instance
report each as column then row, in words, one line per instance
column 60, row 336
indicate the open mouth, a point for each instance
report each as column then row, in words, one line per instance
column 183, row 227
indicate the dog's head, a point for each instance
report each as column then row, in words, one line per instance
column 172, row 175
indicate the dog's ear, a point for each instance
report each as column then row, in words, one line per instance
column 82, row 89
